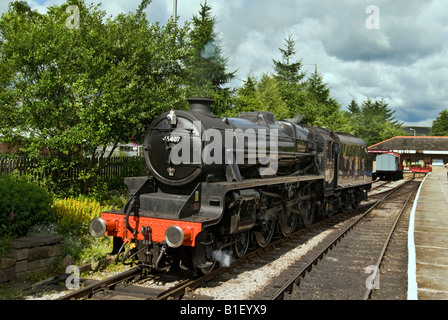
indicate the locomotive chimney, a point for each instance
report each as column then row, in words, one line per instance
column 200, row 104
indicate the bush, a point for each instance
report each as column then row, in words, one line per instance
column 74, row 215
column 73, row 218
column 22, row 205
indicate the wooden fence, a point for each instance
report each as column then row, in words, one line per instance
column 112, row 167
column 20, row 164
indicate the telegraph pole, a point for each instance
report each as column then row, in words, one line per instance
column 174, row 9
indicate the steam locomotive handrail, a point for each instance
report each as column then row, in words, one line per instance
column 129, row 206
column 267, row 181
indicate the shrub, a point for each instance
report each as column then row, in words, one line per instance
column 22, row 205
column 73, row 218
column 74, row 215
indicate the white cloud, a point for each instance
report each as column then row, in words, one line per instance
column 405, row 61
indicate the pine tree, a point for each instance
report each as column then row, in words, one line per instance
column 263, row 95
column 287, row 71
column 353, row 107
column 289, row 77
column 317, row 86
column 374, row 121
column 269, row 92
column 247, row 98
column 205, row 67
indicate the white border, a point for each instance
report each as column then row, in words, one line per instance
column 412, row 265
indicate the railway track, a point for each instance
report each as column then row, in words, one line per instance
column 349, row 266
column 131, row 284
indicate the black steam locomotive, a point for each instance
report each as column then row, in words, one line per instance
column 223, row 183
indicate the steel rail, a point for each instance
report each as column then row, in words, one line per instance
column 386, row 244
column 183, row 289
column 185, row 286
column 301, row 273
column 91, row 289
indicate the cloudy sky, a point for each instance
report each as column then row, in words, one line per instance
column 396, row 50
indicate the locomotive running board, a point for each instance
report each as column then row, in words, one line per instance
column 213, row 194
column 250, row 183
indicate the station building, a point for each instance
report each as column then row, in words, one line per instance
column 422, row 151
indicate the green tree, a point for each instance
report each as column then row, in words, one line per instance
column 205, row 67
column 289, row 77
column 288, row 71
column 271, row 98
column 440, row 125
column 247, row 98
column 353, row 107
column 71, row 92
column 315, row 84
column 374, row 121
column 263, row 95
column 308, row 100
column 315, row 106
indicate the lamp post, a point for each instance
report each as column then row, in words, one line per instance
column 174, row 9
column 414, row 131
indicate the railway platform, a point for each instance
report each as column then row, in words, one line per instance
column 428, row 240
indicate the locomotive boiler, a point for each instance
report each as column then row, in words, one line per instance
column 219, row 184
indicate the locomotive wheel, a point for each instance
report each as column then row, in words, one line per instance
column 241, row 243
column 264, row 235
column 204, row 253
column 308, row 209
column 357, row 195
column 207, row 267
column 351, row 198
column 288, row 220
column 322, row 208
